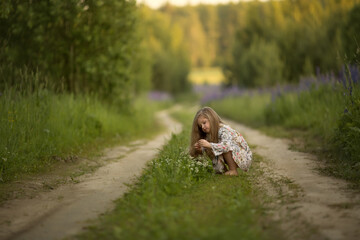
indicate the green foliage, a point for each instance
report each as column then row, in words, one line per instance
column 316, row 116
column 258, row 66
column 75, row 43
column 352, row 35
column 167, row 57
column 229, row 18
column 306, row 35
column 347, row 133
column 264, row 43
column 38, row 126
column 316, row 110
column 69, row 71
column 208, row 31
column 179, row 198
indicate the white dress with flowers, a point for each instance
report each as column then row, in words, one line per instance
column 231, row 140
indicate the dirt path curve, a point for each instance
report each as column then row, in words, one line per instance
column 325, row 203
column 64, row 211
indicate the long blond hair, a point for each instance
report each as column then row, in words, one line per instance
column 197, row 133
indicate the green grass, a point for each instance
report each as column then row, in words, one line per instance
column 316, row 111
column 180, row 198
column 311, row 118
column 185, row 117
column 37, row 129
column 247, row 109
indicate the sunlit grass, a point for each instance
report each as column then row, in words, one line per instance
column 206, row 76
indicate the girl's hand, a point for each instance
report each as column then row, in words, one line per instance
column 204, row 143
column 197, row 146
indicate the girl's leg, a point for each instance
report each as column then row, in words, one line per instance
column 219, row 164
column 231, row 163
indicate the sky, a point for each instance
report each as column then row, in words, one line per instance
column 158, row 3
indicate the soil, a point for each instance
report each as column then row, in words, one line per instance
column 66, row 209
column 309, row 205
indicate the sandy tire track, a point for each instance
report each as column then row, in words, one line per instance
column 323, row 208
column 65, row 210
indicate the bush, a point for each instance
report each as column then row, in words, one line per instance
column 257, row 66
column 347, row 134
column 83, row 46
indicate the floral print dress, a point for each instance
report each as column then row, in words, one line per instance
column 231, row 140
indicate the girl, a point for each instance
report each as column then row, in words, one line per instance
column 220, row 142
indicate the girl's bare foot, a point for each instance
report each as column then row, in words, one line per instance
column 232, row 173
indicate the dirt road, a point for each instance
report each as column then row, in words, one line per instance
column 311, row 204
column 308, row 205
column 65, row 210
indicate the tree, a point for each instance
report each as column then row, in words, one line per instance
column 352, row 35
column 169, row 61
column 82, row 46
column 257, row 66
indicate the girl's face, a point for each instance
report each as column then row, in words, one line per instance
column 204, row 124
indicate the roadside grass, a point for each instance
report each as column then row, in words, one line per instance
column 42, row 128
column 310, row 118
column 188, row 99
column 316, row 111
column 178, row 197
column 246, row 109
column 184, row 116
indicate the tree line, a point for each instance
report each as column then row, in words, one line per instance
column 265, row 43
column 113, row 49
column 116, row 49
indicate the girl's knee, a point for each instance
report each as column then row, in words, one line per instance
column 227, row 154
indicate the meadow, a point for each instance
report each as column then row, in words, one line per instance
column 322, row 112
